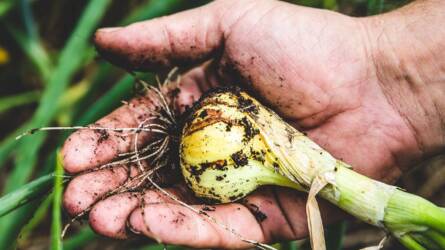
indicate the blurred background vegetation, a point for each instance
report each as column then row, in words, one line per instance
column 50, row 75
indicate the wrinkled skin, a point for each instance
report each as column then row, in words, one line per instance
column 314, row 67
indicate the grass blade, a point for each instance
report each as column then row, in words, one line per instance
column 375, row 6
column 25, row 194
column 13, row 101
column 28, row 19
column 151, row 9
column 289, row 245
column 330, row 4
column 80, row 239
column 24, row 162
column 112, row 99
column 20, row 217
column 70, row 98
column 56, row 226
column 334, row 236
column 30, row 43
column 8, row 144
column 101, row 75
column 34, row 50
column 5, row 6
column 38, row 216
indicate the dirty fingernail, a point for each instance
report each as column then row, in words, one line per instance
column 132, row 229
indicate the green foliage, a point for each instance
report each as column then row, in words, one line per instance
column 375, row 6
column 152, row 9
column 290, row 245
column 34, row 50
column 67, row 65
column 334, row 236
column 25, row 194
column 5, row 6
column 82, row 238
column 12, row 101
column 56, row 227
column 39, row 215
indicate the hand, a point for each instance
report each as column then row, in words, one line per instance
column 314, row 67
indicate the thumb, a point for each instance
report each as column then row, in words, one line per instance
column 191, row 36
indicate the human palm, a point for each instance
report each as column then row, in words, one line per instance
column 313, row 67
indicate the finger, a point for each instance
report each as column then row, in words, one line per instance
column 275, row 214
column 196, row 82
column 87, row 188
column 175, row 224
column 189, row 36
column 109, row 217
column 86, row 149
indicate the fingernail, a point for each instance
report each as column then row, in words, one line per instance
column 108, row 29
column 132, row 229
